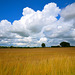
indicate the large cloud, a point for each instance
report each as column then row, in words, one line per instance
column 64, row 28
column 36, row 27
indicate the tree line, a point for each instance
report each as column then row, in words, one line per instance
column 62, row 44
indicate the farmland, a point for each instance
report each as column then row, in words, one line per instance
column 37, row 61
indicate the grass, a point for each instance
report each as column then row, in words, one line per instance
column 37, row 61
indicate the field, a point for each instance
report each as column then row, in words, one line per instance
column 37, row 61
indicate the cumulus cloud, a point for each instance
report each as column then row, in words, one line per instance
column 64, row 28
column 4, row 28
column 28, row 11
column 51, row 9
column 42, row 40
column 68, row 13
column 36, row 27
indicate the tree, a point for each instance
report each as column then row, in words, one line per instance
column 65, row 44
column 43, row 44
column 11, row 46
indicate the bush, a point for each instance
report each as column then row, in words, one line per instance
column 55, row 46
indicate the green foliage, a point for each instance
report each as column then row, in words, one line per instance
column 11, row 46
column 65, row 44
column 43, row 44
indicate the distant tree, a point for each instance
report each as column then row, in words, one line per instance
column 43, row 44
column 65, row 44
column 55, row 46
column 11, row 46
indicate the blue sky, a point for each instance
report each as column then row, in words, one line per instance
column 32, row 22
column 12, row 9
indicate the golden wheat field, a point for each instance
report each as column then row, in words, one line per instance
column 37, row 61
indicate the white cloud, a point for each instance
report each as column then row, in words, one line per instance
column 58, row 29
column 68, row 15
column 69, row 12
column 28, row 11
column 35, row 21
column 19, row 44
column 36, row 27
column 51, row 9
column 4, row 28
column 42, row 40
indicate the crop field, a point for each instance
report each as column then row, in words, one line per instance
column 37, row 61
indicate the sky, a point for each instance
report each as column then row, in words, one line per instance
column 12, row 9
column 32, row 22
